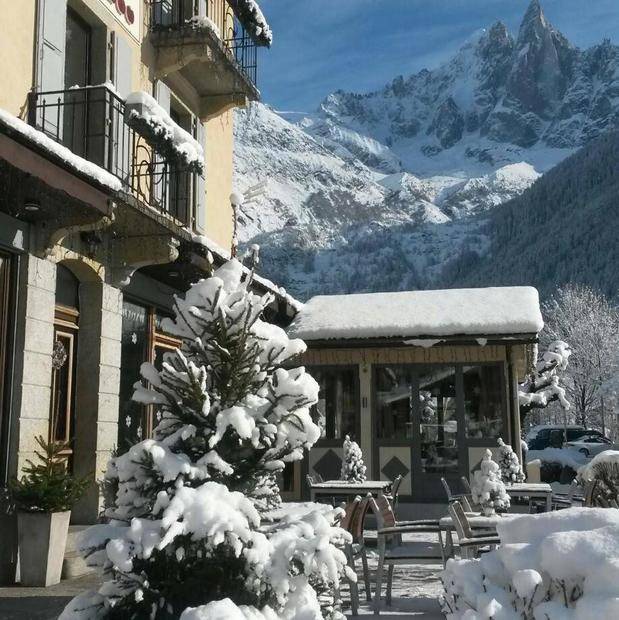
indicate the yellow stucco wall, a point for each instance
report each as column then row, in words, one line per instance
column 219, row 152
column 16, row 54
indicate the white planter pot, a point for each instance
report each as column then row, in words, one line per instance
column 42, row 543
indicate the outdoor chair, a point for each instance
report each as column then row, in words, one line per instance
column 346, row 523
column 393, row 550
column 463, row 498
column 569, row 499
column 394, row 495
column 358, row 549
column 471, row 543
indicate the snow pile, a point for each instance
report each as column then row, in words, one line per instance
column 203, row 22
column 567, row 457
column 79, row 164
column 143, row 111
column 511, row 470
column 487, row 488
column 353, row 469
column 554, row 566
column 253, row 19
column 185, row 509
column 483, row 311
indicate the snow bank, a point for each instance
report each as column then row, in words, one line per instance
column 79, row 164
column 554, row 566
column 563, row 456
column 482, row 311
column 609, row 457
column 143, row 110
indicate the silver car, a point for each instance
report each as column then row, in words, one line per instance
column 590, row 445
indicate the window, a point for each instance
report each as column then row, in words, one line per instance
column 483, row 401
column 394, row 401
column 143, row 340
column 438, row 426
column 338, row 401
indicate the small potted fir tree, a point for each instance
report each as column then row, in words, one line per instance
column 44, row 497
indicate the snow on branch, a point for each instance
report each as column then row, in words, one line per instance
column 250, row 14
column 156, row 125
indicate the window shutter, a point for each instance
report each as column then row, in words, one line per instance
column 161, row 189
column 50, row 68
column 200, row 202
column 123, row 60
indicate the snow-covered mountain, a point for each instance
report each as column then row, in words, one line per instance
column 397, row 181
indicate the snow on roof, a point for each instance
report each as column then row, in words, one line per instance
column 480, row 311
column 79, row 164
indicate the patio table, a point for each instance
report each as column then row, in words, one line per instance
column 336, row 488
column 540, row 490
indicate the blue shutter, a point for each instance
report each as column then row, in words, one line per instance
column 200, row 202
column 50, row 69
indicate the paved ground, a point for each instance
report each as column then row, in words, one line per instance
column 17, row 603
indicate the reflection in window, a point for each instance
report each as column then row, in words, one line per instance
column 337, row 407
column 134, row 351
column 394, row 402
column 483, row 401
column 439, row 423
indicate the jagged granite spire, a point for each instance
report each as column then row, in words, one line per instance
column 534, row 25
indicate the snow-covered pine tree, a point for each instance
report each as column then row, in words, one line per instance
column 184, row 536
column 511, row 471
column 353, row 468
column 543, row 385
column 487, row 488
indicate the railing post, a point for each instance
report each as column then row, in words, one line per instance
column 32, row 108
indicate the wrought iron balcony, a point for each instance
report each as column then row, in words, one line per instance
column 206, row 42
column 91, row 123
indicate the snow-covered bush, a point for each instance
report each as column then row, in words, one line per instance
column 603, row 472
column 511, row 471
column 353, row 468
column 487, row 488
column 553, row 566
column 184, row 531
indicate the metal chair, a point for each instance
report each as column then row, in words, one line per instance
column 358, row 549
column 394, row 495
column 346, row 522
column 464, row 498
column 393, row 550
column 471, row 543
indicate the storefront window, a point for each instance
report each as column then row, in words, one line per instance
column 483, row 403
column 394, row 402
column 438, row 420
column 337, row 408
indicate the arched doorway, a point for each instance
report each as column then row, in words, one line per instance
column 64, row 359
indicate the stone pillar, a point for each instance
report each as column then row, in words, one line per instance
column 33, row 365
column 368, row 435
column 98, row 382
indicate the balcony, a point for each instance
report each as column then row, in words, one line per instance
column 91, row 123
column 209, row 46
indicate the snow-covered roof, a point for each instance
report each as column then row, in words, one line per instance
column 499, row 311
column 77, row 163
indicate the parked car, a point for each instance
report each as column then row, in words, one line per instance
column 591, row 444
column 557, row 436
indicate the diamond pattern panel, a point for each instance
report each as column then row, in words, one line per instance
column 329, row 466
column 394, row 467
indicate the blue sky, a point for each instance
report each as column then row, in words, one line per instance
column 360, row 45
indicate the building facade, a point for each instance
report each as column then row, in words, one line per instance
column 424, row 381
column 116, row 171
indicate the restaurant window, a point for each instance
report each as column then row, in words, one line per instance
column 438, row 424
column 143, row 340
column 338, row 400
column 483, row 401
column 64, row 354
column 394, row 401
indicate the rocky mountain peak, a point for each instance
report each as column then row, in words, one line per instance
column 533, row 25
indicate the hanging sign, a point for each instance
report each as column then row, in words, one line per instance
column 128, row 13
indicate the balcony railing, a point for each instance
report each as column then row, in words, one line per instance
column 91, row 123
column 182, row 17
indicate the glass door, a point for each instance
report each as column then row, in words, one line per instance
column 438, row 441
